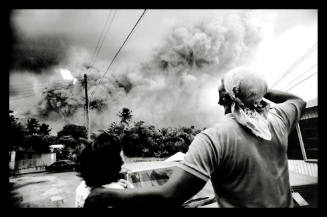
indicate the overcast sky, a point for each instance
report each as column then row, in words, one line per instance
column 286, row 35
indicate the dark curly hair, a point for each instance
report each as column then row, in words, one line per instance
column 100, row 162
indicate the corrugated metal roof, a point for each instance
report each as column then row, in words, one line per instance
column 311, row 110
column 310, row 113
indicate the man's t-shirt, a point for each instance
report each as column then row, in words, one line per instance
column 245, row 171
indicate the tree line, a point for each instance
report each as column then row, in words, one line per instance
column 138, row 138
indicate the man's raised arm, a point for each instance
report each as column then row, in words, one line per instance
column 278, row 96
column 290, row 107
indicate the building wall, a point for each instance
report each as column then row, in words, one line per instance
column 36, row 163
column 310, row 113
column 309, row 131
column 302, row 167
column 310, row 136
column 12, row 157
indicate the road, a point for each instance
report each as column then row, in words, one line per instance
column 45, row 189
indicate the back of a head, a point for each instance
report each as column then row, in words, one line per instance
column 245, row 84
column 252, row 86
column 99, row 163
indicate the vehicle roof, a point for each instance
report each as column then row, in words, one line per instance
column 150, row 165
column 206, row 191
column 179, row 156
column 63, row 161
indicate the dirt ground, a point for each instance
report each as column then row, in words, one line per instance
column 49, row 189
column 44, row 189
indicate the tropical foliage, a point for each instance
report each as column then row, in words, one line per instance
column 138, row 138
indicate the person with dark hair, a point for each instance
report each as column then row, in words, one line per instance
column 244, row 155
column 99, row 164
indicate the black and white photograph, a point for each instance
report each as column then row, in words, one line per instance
column 176, row 108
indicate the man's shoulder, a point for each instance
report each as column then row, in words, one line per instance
column 224, row 127
column 228, row 121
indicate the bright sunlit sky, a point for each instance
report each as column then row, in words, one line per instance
column 292, row 34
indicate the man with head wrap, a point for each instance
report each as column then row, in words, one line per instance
column 244, row 155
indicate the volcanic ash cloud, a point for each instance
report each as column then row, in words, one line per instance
column 174, row 87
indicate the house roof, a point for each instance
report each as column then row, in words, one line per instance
column 179, row 156
column 142, row 166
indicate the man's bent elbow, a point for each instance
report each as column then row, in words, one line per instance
column 302, row 104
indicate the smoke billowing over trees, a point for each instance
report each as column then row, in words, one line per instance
column 174, row 86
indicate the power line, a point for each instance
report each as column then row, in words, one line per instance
column 301, row 81
column 29, row 91
column 103, row 39
column 311, row 67
column 60, row 85
column 21, row 90
column 103, row 29
column 25, row 88
column 13, row 98
column 112, row 61
column 22, row 95
column 296, row 64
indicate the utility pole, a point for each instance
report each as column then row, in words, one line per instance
column 88, row 126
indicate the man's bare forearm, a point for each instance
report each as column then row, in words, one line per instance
column 150, row 197
column 180, row 187
column 278, row 96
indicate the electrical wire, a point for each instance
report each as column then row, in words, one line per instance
column 101, row 39
column 103, row 30
column 104, row 37
column 115, row 56
column 311, row 67
column 301, row 81
column 296, row 64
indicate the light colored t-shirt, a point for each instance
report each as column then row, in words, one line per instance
column 82, row 191
column 245, row 170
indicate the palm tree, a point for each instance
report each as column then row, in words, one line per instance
column 125, row 116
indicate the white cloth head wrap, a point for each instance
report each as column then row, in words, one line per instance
column 246, row 89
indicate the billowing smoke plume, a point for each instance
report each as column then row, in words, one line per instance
column 36, row 54
column 222, row 42
column 66, row 98
column 176, row 86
